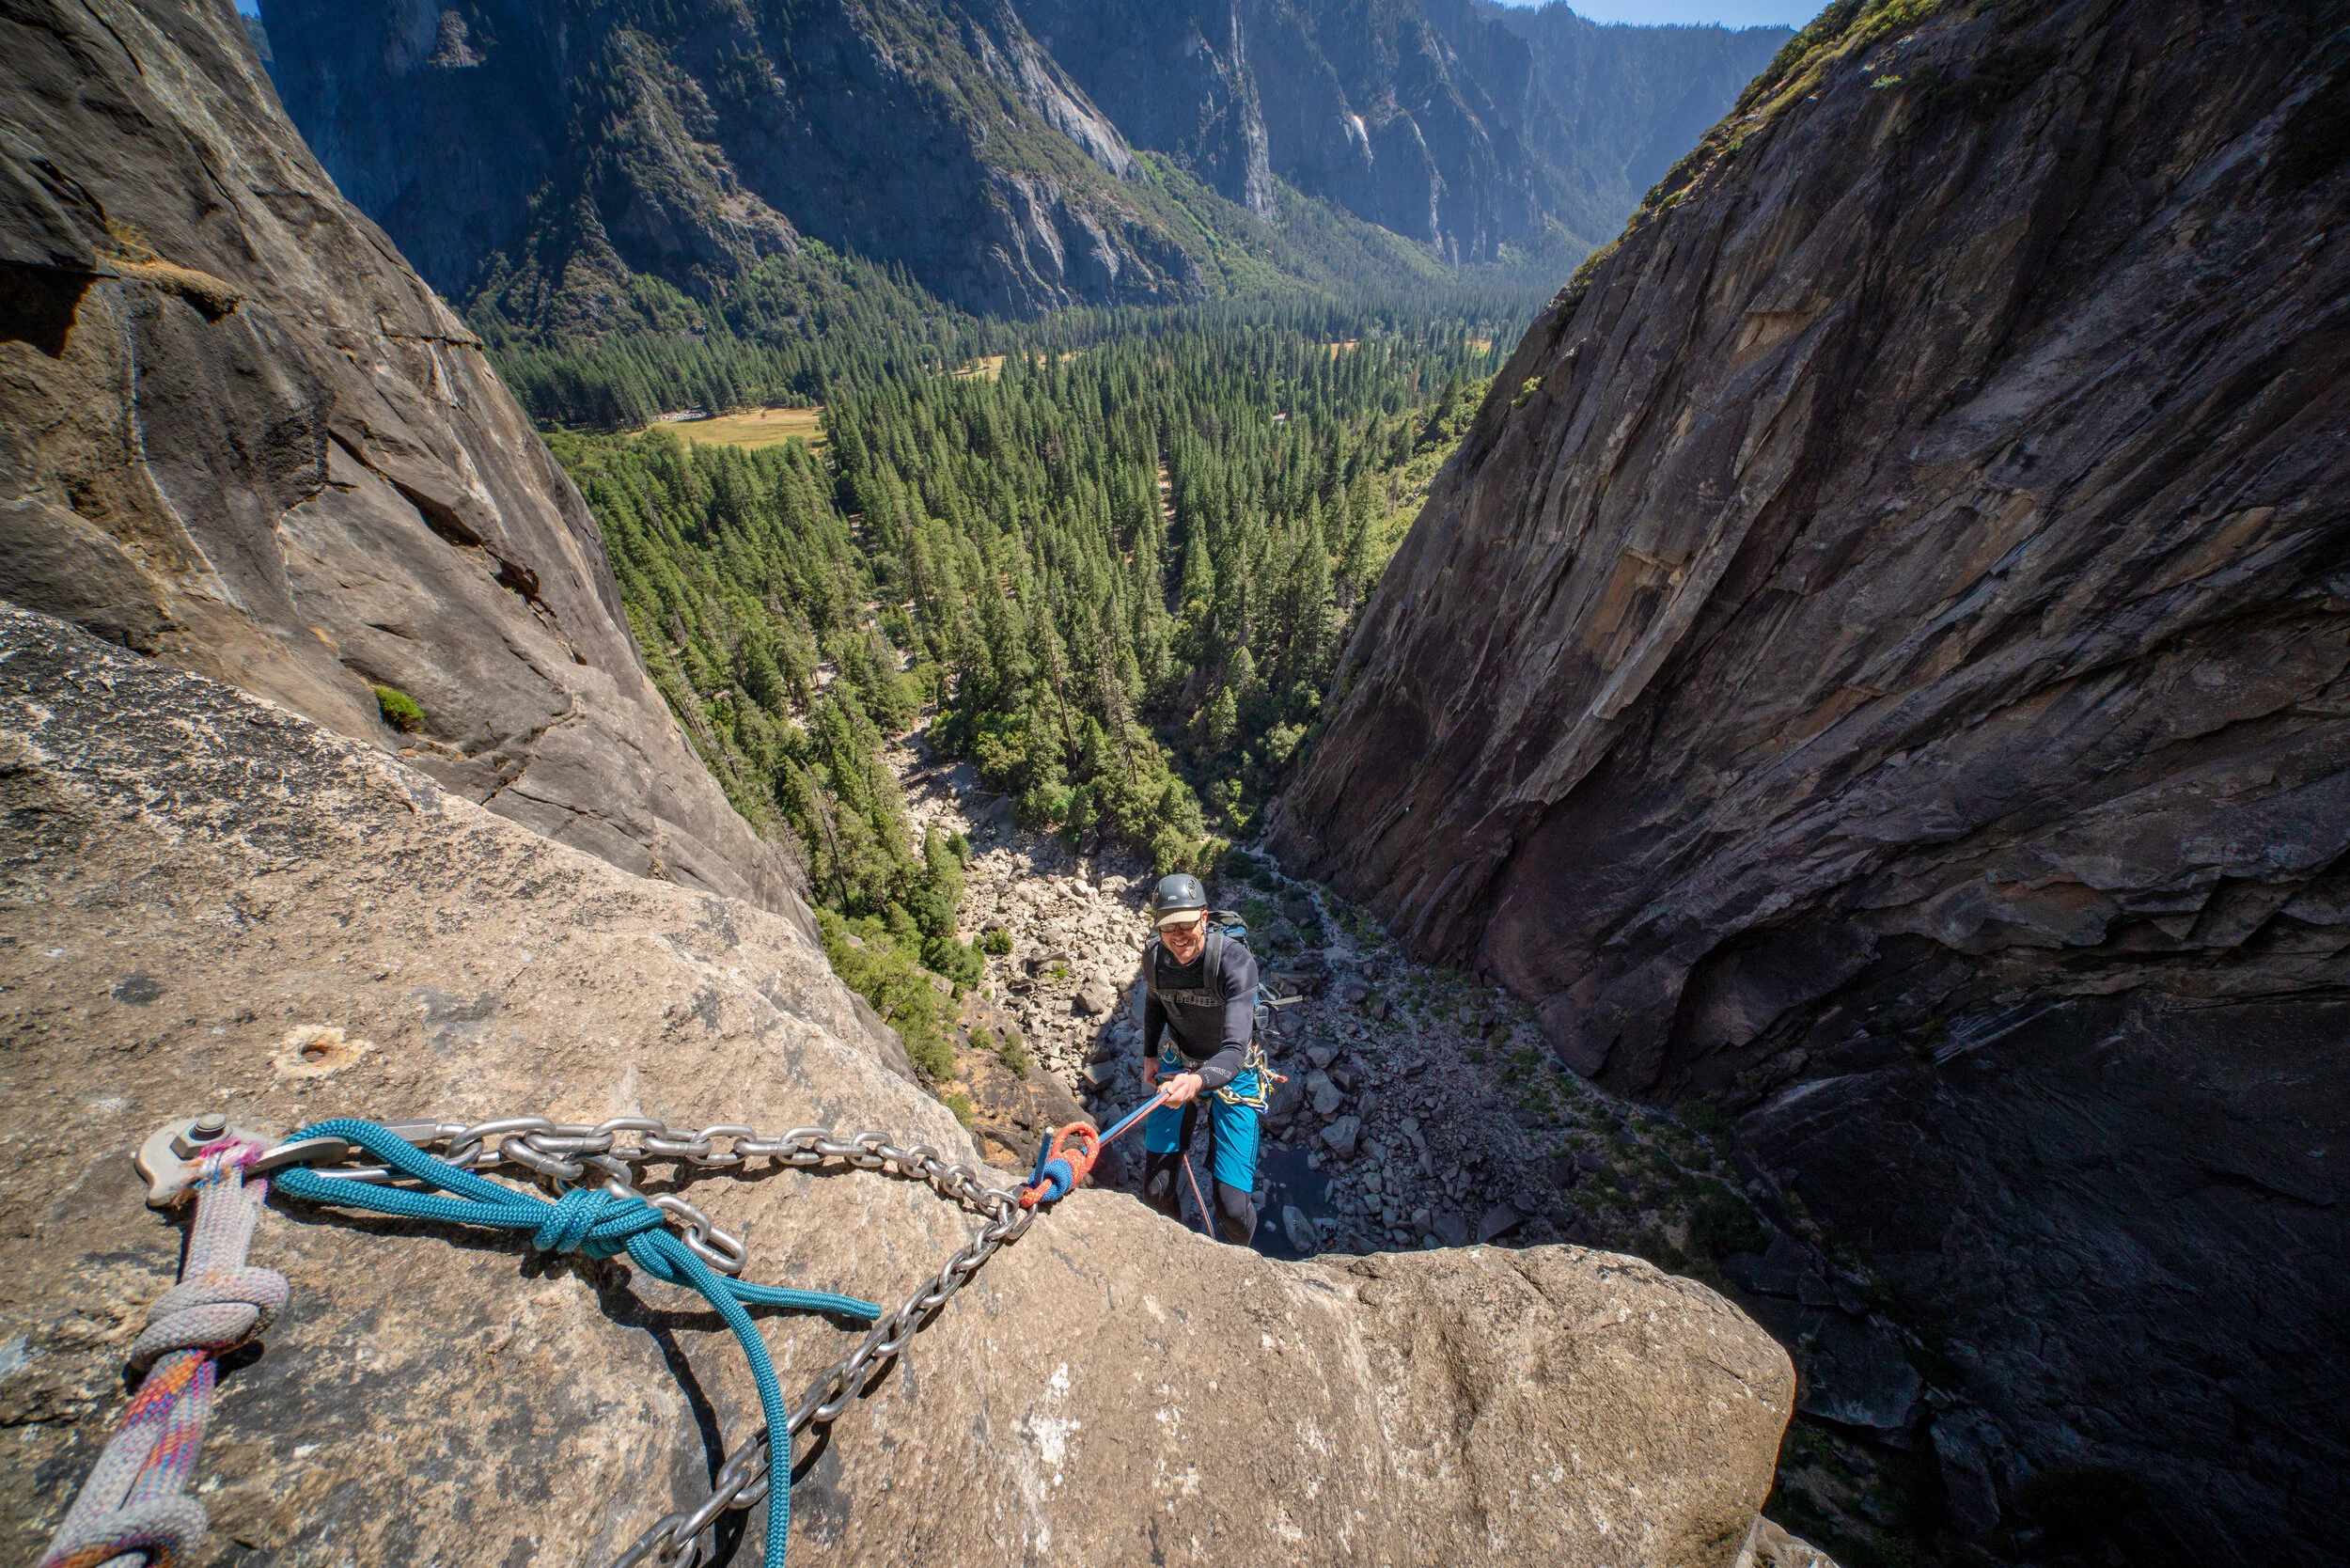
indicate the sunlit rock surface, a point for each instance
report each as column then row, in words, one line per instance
column 237, row 433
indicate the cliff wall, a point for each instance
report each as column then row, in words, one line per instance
column 238, row 433
column 1464, row 125
column 1882, row 659
column 1608, row 107
column 687, row 142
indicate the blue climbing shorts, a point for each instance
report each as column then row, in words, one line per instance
column 1233, row 1126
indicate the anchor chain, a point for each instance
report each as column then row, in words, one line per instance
column 675, row 1541
column 615, row 1150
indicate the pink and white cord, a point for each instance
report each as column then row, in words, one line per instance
column 133, row 1509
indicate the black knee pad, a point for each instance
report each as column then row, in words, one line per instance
column 1160, row 1185
column 1236, row 1211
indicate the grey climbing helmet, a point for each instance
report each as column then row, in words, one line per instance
column 1177, row 895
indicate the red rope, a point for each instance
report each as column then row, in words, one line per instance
column 1207, row 1223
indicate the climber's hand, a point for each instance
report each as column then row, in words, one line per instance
column 1183, row 1086
column 1150, row 1071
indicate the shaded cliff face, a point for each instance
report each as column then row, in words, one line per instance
column 238, row 433
column 1365, row 104
column 1180, row 78
column 1608, row 108
column 1464, row 125
column 1883, row 657
column 690, row 141
column 178, row 868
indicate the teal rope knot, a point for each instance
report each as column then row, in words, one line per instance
column 597, row 1224
column 579, row 1223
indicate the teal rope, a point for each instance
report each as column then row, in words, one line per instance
column 597, row 1224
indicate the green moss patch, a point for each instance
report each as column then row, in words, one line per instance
column 399, row 710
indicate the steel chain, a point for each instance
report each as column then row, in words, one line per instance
column 570, row 1154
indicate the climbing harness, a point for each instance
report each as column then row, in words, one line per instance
column 132, row 1511
column 1254, row 1062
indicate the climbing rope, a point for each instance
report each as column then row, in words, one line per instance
column 1207, row 1218
column 133, row 1508
column 598, row 1222
column 130, row 1511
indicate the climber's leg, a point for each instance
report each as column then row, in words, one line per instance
column 1234, row 1132
column 1165, row 1135
column 1236, row 1213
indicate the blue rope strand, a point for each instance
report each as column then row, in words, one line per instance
column 593, row 1222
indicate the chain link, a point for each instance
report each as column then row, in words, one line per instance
column 572, row 1154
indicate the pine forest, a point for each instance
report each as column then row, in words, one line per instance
column 1117, row 563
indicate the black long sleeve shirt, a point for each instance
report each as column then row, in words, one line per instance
column 1211, row 1016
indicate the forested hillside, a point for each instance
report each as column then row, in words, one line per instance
column 794, row 327
column 1120, row 574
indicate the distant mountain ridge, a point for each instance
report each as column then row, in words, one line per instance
column 538, row 158
column 1461, row 123
column 1611, row 103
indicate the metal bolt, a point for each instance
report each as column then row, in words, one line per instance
column 209, row 1128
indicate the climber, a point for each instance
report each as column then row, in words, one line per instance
column 1198, row 1027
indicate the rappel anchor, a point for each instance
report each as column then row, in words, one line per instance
column 134, row 1502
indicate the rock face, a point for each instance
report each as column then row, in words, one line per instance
column 1361, row 103
column 238, row 433
column 1464, row 125
column 1880, row 658
column 1178, row 78
column 1608, row 108
column 191, row 876
column 688, row 141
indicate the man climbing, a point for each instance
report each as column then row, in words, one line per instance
column 1198, row 1031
